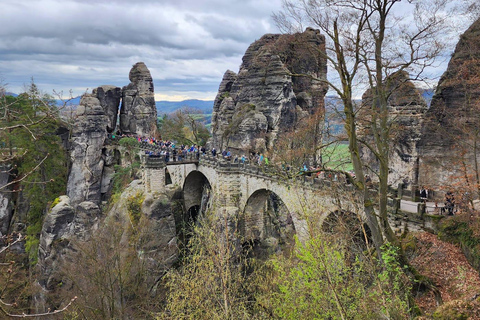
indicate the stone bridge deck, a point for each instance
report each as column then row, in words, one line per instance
column 244, row 190
column 271, row 172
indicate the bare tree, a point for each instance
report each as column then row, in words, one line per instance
column 367, row 42
column 186, row 125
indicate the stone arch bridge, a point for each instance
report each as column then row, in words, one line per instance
column 249, row 191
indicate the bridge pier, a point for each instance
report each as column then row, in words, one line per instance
column 153, row 175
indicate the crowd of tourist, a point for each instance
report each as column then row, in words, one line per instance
column 169, row 151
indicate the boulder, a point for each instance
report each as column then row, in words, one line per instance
column 53, row 241
column 63, row 226
column 138, row 113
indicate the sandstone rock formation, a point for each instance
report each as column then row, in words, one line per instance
column 138, row 114
column 62, row 225
column 451, row 131
column 109, row 97
column 406, row 111
column 5, row 201
column 264, row 100
column 96, row 116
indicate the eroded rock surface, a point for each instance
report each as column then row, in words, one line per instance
column 451, row 128
column 62, row 225
column 5, row 201
column 109, row 97
column 96, row 117
column 406, row 111
column 138, row 114
column 264, row 100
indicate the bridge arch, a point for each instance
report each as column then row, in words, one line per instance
column 349, row 230
column 266, row 218
column 196, row 193
column 168, row 177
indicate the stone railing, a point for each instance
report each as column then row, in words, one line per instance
column 152, row 161
column 270, row 172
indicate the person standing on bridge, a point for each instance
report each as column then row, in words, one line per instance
column 449, row 202
column 424, row 195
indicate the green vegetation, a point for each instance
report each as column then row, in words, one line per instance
column 28, row 134
column 134, row 208
column 185, row 126
column 320, row 280
column 123, row 176
column 128, row 142
column 337, row 157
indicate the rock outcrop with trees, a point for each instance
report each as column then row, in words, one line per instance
column 123, row 251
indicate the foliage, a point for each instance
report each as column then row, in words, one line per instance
column 463, row 230
column 184, row 126
column 14, row 280
column 320, row 285
column 322, row 282
column 123, row 176
column 449, row 269
column 108, row 276
column 336, row 156
column 128, row 142
column 28, row 129
column 134, row 208
column 395, row 285
column 212, row 282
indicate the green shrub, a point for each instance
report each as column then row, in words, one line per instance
column 134, row 208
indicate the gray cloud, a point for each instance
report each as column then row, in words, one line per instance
column 187, row 44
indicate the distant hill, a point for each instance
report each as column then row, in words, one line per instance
column 164, row 107
column 11, row 94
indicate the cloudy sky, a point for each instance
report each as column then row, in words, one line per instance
column 81, row 44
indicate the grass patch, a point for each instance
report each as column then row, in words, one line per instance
column 337, row 157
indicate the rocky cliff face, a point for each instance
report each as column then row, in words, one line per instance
column 63, row 224
column 451, row 129
column 76, row 218
column 138, row 114
column 264, row 100
column 96, row 116
column 5, row 201
column 406, row 111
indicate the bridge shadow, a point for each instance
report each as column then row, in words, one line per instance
column 349, row 231
column 266, row 225
column 192, row 202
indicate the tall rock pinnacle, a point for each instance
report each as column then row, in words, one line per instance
column 138, row 113
column 264, row 100
column 451, row 132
